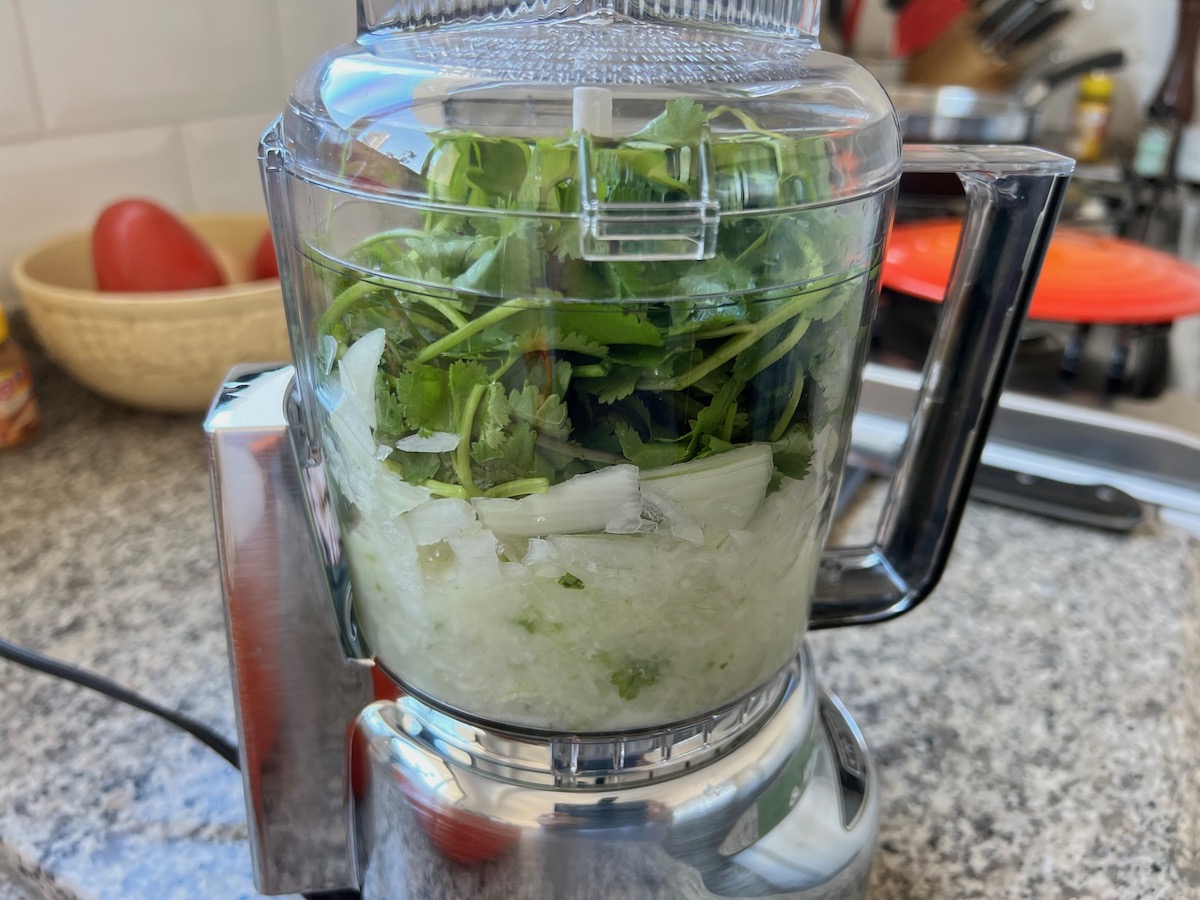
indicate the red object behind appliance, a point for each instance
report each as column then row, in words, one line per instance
column 1087, row 278
column 921, row 22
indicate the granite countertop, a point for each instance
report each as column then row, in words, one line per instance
column 1034, row 724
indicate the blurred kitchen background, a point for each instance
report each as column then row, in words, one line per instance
column 166, row 101
column 1144, row 29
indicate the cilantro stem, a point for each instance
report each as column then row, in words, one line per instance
column 737, row 345
column 519, row 488
column 727, row 331
column 453, row 316
column 746, row 121
column 462, row 453
column 425, row 322
column 341, row 305
column 473, row 327
column 781, row 349
column 360, row 290
column 442, row 489
column 394, row 234
column 758, row 242
column 788, row 411
column 505, row 366
column 566, row 448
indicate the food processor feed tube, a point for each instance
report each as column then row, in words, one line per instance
column 579, row 304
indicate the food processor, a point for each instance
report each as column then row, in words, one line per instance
column 520, row 551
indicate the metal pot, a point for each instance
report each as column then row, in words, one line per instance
column 963, row 115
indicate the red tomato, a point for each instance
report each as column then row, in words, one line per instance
column 265, row 263
column 139, row 246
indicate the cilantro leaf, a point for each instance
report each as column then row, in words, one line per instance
column 652, row 455
column 717, row 277
column 794, row 452
column 605, row 324
column 501, row 168
column 633, row 675
column 681, row 122
column 513, row 266
column 534, row 621
column 717, row 419
column 415, row 467
column 509, row 458
column 493, row 417
column 542, row 352
column 614, row 385
column 546, row 414
column 464, row 377
column 422, row 394
column 556, row 339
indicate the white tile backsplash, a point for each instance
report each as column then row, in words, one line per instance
column 131, row 62
column 222, row 161
column 310, row 27
column 18, row 109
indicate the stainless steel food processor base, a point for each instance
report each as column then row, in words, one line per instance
column 791, row 813
column 773, row 797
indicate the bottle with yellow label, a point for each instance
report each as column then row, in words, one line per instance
column 1092, row 112
column 20, row 420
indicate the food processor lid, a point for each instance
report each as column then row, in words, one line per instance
column 715, row 81
column 786, row 16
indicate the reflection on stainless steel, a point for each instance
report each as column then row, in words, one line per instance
column 574, row 761
column 791, row 812
column 1014, row 196
column 295, row 692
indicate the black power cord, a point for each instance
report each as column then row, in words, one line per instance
column 226, row 749
column 223, row 747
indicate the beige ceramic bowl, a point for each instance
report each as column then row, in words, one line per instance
column 167, row 352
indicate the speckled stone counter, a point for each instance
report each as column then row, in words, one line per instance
column 1035, row 724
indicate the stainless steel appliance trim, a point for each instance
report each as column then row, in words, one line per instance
column 295, row 693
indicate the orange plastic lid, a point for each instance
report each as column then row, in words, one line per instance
column 1087, row 278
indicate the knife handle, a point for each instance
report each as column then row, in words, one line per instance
column 1093, row 505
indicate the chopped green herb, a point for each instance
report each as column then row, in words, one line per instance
column 633, row 676
column 534, row 621
column 546, row 365
column 571, row 582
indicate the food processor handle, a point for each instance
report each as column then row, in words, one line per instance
column 1014, row 196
